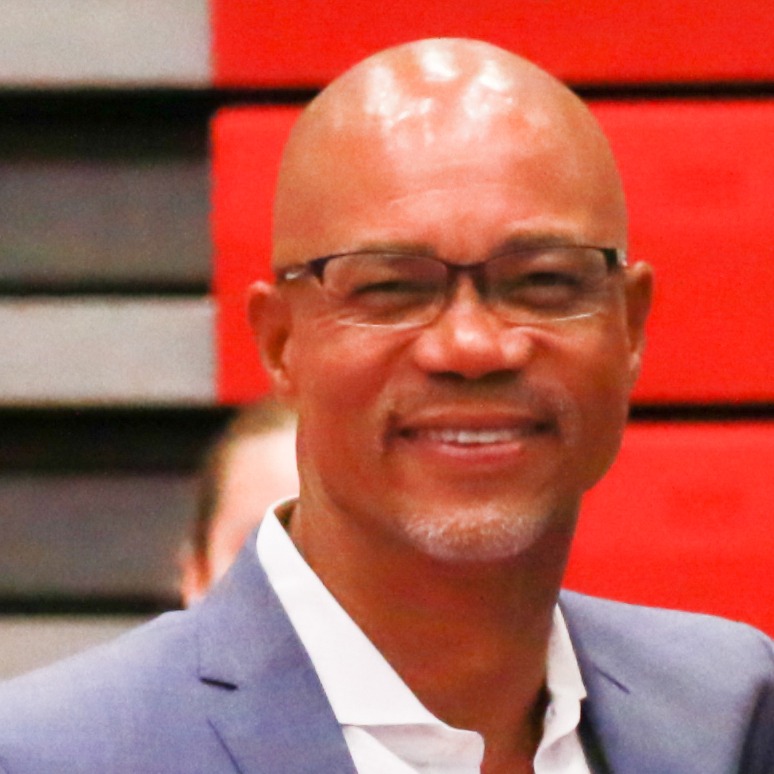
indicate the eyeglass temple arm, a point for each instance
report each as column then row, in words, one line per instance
column 314, row 267
column 615, row 257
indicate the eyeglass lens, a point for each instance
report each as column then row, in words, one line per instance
column 535, row 286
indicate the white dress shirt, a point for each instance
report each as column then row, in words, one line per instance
column 386, row 728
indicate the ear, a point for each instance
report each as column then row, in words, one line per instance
column 639, row 294
column 193, row 584
column 270, row 319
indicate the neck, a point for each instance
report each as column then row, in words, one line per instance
column 469, row 639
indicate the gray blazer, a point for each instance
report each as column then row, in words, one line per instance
column 227, row 687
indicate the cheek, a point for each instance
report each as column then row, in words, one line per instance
column 597, row 381
column 338, row 374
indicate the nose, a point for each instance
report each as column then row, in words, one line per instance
column 468, row 340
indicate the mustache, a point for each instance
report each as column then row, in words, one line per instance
column 548, row 400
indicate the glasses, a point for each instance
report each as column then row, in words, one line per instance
column 532, row 286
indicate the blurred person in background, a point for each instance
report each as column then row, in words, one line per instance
column 250, row 466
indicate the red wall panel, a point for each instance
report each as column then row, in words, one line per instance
column 684, row 520
column 246, row 148
column 700, row 182
column 305, row 43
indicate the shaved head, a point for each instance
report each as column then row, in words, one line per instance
column 428, row 103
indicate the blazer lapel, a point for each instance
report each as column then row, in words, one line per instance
column 605, row 710
column 267, row 704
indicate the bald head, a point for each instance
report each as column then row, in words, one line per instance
column 419, row 109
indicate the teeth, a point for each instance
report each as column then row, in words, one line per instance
column 473, row 437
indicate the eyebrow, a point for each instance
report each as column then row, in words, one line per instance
column 521, row 240
column 537, row 238
column 392, row 247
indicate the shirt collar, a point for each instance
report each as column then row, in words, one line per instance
column 351, row 669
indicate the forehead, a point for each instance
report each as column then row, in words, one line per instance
column 433, row 141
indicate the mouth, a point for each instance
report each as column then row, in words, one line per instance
column 471, row 436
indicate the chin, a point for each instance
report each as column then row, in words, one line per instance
column 478, row 535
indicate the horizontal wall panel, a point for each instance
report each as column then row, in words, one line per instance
column 93, row 535
column 95, row 200
column 290, row 43
column 246, row 148
column 101, row 224
column 83, row 351
column 29, row 643
column 104, row 42
column 700, row 182
column 62, row 439
column 683, row 520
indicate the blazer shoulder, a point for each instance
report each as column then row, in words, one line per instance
column 89, row 712
column 694, row 641
column 173, row 695
column 118, row 667
column 673, row 691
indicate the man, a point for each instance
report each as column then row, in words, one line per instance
column 250, row 467
column 457, row 327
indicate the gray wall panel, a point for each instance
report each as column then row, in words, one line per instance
column 29, row 643
column 112, row 351
column 113, row 42
column 96, row 222
column 93, row 535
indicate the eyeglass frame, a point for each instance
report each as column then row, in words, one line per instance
column 615, row 258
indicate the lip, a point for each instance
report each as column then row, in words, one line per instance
column 468, row 436
column 473, row 437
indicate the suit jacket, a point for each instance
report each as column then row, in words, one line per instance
column 227, row 687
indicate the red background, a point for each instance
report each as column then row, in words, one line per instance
column 683, row 519
column 306, row 43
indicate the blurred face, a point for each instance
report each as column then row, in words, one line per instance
column 258, row 470
column 467, row 439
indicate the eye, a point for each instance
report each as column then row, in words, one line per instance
column 542, row 290
column 386, row 279
column 391, row 287
column 391, row 296
column 539, row 280
column 548, row 279
column 551, row 279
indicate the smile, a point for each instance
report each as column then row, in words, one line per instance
column 474, row 433
column 468, row 437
